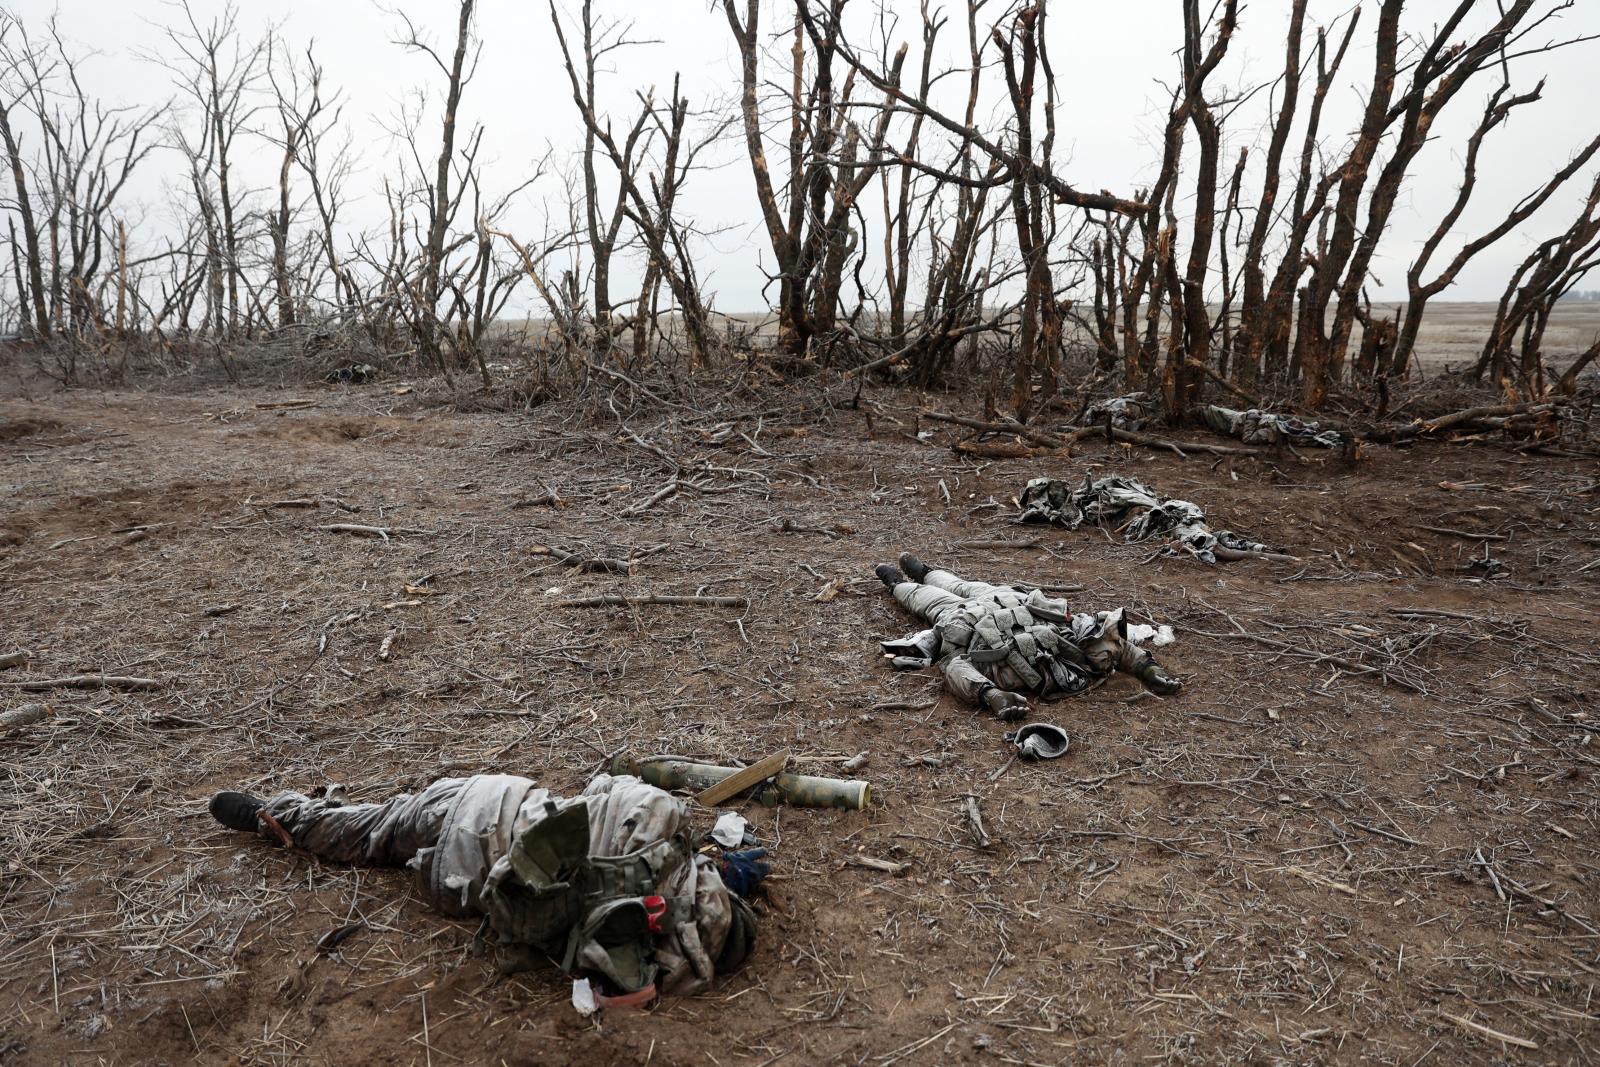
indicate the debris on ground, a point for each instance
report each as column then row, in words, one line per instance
column 730, row 829
column 1127, row 505
column 795, row 790
column 1377, row 726
column 1040, row 740
column 24, row 715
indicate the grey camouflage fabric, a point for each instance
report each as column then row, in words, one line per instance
column 1133, row 411
column 1128, row 505
column 984, row 637
column 1129, row 412
column 495, row 845
column 1255, row 427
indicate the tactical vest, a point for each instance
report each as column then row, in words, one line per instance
column 593, row 914
column 1019, row 631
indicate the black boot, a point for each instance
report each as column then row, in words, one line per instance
column 914, row 567
column 1155, row 679
column 236, row 811
column 889, row 574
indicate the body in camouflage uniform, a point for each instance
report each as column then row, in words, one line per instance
column 570, row 879
column 996, row 646
column 1255, row 427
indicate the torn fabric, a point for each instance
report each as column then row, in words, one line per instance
column 1255, row 427
column 1135, row 510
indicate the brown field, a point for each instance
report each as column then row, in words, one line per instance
column 1373, row 841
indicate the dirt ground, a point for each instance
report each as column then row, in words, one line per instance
column 1369, row 837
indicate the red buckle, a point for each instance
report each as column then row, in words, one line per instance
column 655, row 909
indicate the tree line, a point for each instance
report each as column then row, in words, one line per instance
column 907, row 193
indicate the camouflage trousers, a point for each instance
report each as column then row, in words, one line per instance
column 453, row 830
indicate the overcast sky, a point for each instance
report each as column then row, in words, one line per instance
column 1114, row 62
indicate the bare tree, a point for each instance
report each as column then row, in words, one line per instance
column 1548, row 273
column 443, row 206
column 313, row 123
column 1182, row 377
column 1438, row 73
column 664, row 237
column 219, row 73
column 807, row 218
column 1250, row 341
column 19, row 81
column 1419, row 292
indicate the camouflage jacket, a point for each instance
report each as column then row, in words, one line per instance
column 565, row 878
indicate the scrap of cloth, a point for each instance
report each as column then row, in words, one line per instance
column 1133, row 411
column 1133, row 508
column 1129, row 412
column 1255, row 427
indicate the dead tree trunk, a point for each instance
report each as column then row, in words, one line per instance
column 1277, row 312
column 426, row 321
column 1183, row 375
column 1540, row 281
column 1253, row 321
column 30, row 231
column 1312, row 343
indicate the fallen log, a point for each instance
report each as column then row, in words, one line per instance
column 87, row 681
column 1065, row 436
column 617, row 601
column 356, row 530
column 24, row 715
column 998, row 450
column 587, row 564
column 1027, row 433
column 1454, row 420
column 1457, row 418
column 1136, row 437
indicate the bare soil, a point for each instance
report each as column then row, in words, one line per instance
column 1295, row 860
